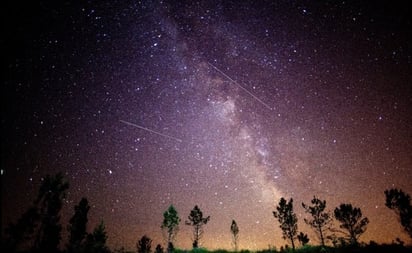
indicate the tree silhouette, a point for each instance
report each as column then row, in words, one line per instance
column 197, row 221
column 321, row 220
column 77, row 226
column 50, row 200
column 235, row 234
column 351, row 221
column 170, row 225
column 18, row 235
column 400, row 202
column 303, row 238
column 96, row 241
column 39, row 227
column 159, row 249
column 144, row 245
column 287, row 219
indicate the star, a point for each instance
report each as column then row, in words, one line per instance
column 228, row 106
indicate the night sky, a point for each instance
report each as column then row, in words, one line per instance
column 227, row 105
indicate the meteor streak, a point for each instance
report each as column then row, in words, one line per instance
column 240, row 86
column 150, row 130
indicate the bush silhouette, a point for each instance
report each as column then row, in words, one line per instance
column 144, row 245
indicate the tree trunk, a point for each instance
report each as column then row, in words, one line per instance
column 293, row 243
column 322, row 240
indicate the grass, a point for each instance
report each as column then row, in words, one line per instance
column 370, row 248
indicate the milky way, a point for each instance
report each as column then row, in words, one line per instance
column 225, row 105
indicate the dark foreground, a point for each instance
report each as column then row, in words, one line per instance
column 370, row 248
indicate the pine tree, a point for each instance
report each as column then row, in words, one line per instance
column 197, row 221
column 18, row 235
column 50, row 201
column 400, row 202
column 321, row 220
column 170, row 225
column 96, row 241
column 235, row 234
column 287, row 219
column 77, row 226
column 351, row 221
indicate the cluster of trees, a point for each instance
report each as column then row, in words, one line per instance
column 170, row 226
column 352, row 225
column 39, row 228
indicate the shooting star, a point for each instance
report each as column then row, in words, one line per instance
column 240, row 86
column 150, row 130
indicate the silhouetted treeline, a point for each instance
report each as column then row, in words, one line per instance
column 400, row 202
column 39, row 229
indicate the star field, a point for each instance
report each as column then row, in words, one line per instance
column 225, row 105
